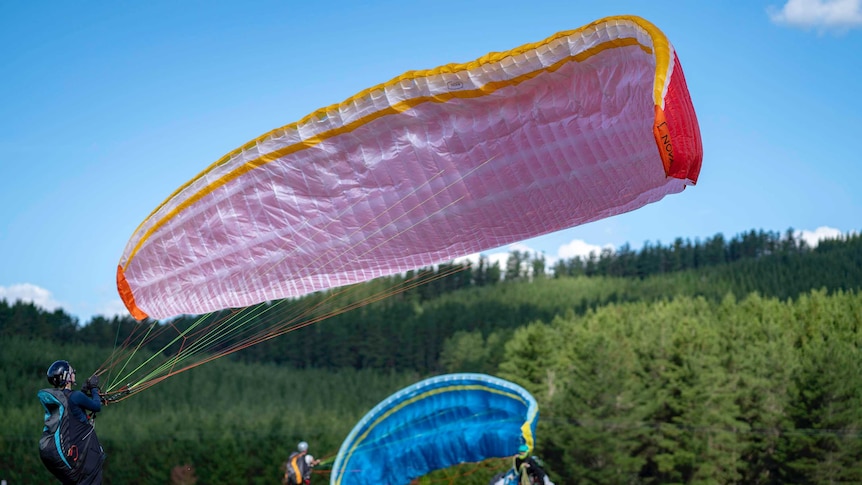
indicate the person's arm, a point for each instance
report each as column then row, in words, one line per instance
column 537, row 470
column 93, row 404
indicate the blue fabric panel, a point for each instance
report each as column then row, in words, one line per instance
column 434, row 424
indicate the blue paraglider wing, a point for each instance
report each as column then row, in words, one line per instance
column 435, row 424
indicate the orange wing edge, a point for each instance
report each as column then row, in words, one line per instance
column 126, row 294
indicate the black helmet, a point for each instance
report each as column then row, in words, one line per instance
column 60, row 373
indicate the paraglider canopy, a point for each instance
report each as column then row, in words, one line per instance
column 434, row 424
column 428, row 167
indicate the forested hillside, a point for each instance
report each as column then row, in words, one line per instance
column 724, row 362
column 232, row 423
column 692, row 391
column 408, row 330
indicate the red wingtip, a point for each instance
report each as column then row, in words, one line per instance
column 676, row 130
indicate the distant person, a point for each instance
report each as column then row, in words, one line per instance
column 69, row 447
column 297, row 470
column 527, row 469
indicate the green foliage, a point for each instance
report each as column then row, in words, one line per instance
column 694, row 391
column 710, row 362
column 471, row 352
column 234, row 423
column 402, row 322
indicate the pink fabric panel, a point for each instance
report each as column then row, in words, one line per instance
column 431, row 184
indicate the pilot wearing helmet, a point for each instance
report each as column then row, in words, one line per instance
column 297, row 470
column 528, row 470
column 69, row 447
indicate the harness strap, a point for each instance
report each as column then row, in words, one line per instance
column 295, row 466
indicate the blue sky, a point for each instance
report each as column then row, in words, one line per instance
column 110, row 106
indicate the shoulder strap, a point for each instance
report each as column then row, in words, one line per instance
column 293, row 465
column 55, row 403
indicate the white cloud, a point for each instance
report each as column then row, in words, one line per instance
column 813, row 238
column 501, row 257
column 29, row 293
column 580, row 248
column 576, row 247
column 473, row 258
column 839, row 15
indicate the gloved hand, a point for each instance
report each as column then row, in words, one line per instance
column 92, row 383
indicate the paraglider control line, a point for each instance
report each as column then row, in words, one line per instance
column 116, row 396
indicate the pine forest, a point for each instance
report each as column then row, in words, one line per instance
column 720, row 361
